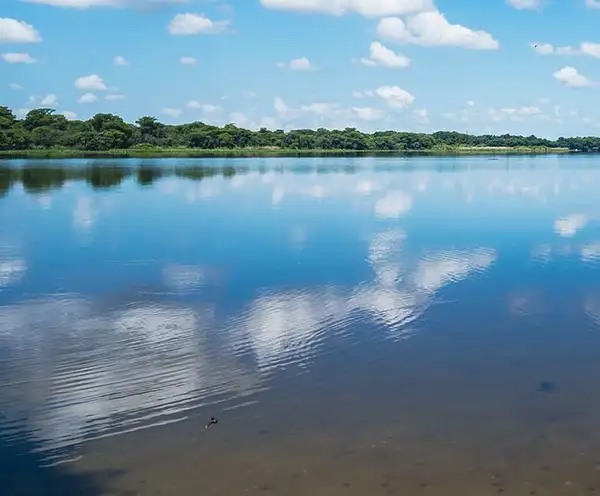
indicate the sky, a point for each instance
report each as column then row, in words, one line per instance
column 499, row 66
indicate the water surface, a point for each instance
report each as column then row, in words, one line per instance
column 358, row 326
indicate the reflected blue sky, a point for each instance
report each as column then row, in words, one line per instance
column 132, row 306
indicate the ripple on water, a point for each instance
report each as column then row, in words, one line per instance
column 92, row 374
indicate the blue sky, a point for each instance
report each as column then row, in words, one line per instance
column 518, row 66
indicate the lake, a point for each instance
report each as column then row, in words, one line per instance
column 357, row 326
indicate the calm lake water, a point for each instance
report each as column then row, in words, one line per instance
column 357, row 325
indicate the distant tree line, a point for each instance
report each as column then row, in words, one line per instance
column 43, row 128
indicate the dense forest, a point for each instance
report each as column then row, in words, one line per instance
column 44, row 129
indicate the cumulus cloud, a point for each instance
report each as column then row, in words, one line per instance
column 380, row 55
column 367, row 8
column 18, row 58
column 188, row 60
column 120, row 60
column 85, row 4
column 207, row 108
column 88, row 98
column 571, row 77
column 525, row 4
column 191, row 24
column 14, row 31
column 49, row 100
column 171, row 112
column 69, row 115
column 433, row 29
column 92, row 82
column 299, row 64
column 395, row 96
column 584, row 48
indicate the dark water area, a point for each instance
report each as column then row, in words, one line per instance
column 407, row 326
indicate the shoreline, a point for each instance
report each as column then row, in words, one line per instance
column 262, row 152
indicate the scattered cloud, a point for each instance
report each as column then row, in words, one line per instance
column 571, row 77
column 525, row 4
column 432, row 29
column 114, row 97
column 120, row 60
column 18, row 58
column 395, row 96
column 300, row 64
column 192, row 24
column 592, row 4
column 369, row 113
column 85, row 4
column 363, row 94
column 380, row 55
column 49, row 100
column 88, row 98
column 584, row 48
column 207, row 108
column 15, row 86
column 71, row 116
column 92, row 82
column 188, row 60
column 13, row 31
column 171, row 112
column 250, row 95
column 366, row 8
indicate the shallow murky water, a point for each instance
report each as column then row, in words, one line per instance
column 357, row 325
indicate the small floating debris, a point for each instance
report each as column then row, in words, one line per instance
column 212, row 421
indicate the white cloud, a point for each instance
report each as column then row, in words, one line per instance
column 84, row 4
column 513, row 113
column 18, row 58
column 92, row 82
column 395, row 96
column 120, row 60
column 367, row 8
column 50, row 100
column 584, row 48
column 171, row 112
column 569, row 76
column 114, row 97
column 432, row 29
column 569, row 225
column 393, row 205
column 188, row 60
column 363, row 94
column 592, row 4
column 13, row 31
column 369, row 113
column 383, row 56
column 191, row 24
column 239, row 119
column 421, row 115
column 71, row 116
column 15, row 86
column 299, row 64
column 525, row 4
column 88, row 98
column 204, row 107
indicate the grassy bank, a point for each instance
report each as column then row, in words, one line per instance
column 267, row 152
